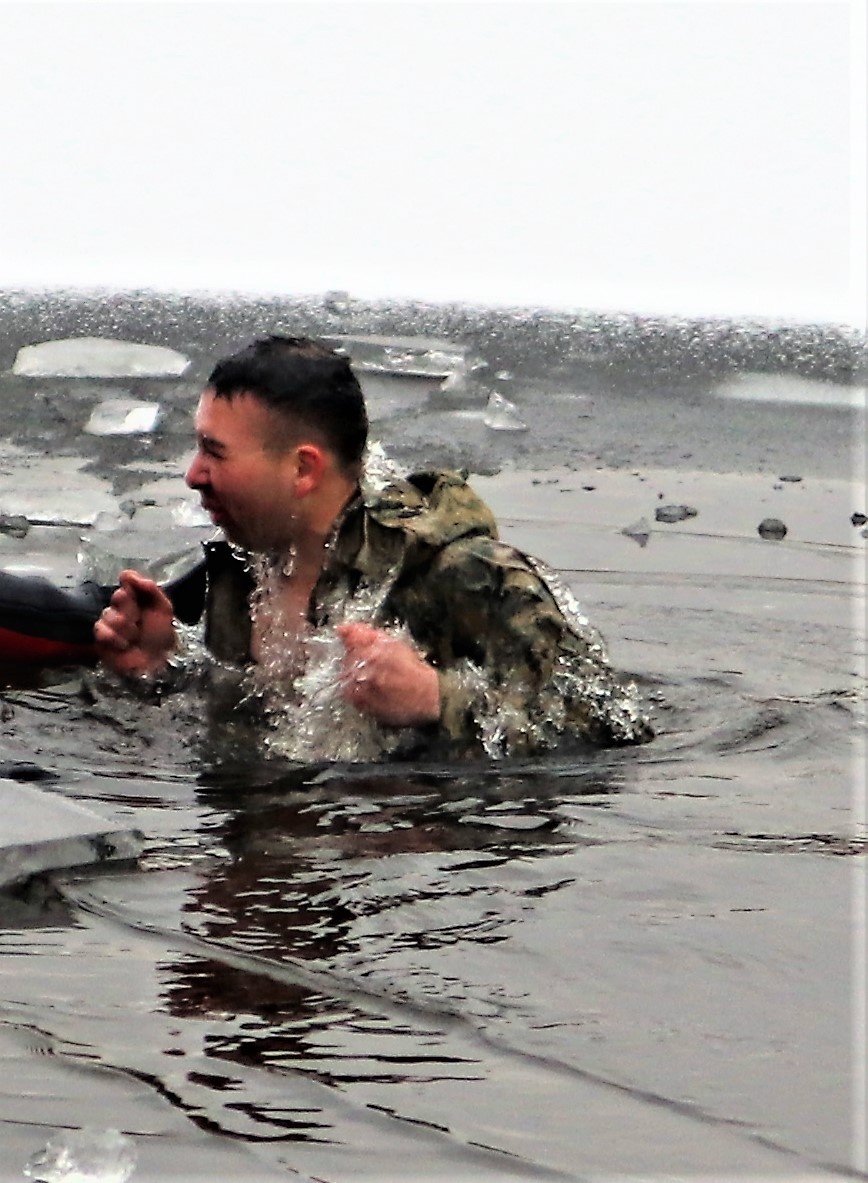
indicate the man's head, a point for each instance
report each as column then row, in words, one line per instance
column 281, row 429
column 310, row 386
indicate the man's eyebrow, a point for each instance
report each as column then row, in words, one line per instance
column 209, row 443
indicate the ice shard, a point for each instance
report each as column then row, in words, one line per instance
column 124, row 416
column 41, row 831
column 98, row 357
column 502, row 415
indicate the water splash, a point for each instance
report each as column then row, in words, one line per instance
column 512, row 718
column 297, row 680
column 592, row 678
column 314, row 721
column 380, row 469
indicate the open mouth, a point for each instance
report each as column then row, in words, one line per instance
column 214, row 511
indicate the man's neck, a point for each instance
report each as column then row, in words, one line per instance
column 315, row 532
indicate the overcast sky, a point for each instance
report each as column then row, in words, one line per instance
column 675, row 156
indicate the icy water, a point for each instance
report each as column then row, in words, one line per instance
column 643, row 964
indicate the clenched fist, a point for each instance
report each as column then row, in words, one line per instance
column 136, row 633
column 385, row 677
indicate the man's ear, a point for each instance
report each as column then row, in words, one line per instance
column 310, row 469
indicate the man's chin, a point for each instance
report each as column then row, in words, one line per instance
column 239, row 539
column 231, row 535
column 225, row 527
column 237, row 535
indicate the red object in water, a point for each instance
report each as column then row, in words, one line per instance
column 24, row 647
column 41, row 624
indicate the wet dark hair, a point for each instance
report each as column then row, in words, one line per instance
column 308, row 383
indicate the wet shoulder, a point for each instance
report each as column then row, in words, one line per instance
column 482, row 561
column 437, row 507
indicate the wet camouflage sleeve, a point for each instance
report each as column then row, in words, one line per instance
column 518, row 672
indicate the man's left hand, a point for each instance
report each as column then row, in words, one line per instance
column 385, row 677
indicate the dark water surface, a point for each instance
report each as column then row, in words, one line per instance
column 625, row 965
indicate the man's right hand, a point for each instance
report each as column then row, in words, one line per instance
column 135, row 634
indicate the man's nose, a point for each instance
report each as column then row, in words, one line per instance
column 195, row 474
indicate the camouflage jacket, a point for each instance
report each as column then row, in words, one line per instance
column 520, row 668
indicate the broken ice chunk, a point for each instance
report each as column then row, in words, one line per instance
column 502, row 415
column 98, row 357
column 124, row 416
column 639, row 531
column 84, row 1156
column 42, row 831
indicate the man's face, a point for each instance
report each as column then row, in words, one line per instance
column 247, row 489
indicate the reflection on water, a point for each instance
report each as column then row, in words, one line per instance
column 300, row 866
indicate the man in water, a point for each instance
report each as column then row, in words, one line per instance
column 449, row 637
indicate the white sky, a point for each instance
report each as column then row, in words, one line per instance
column 674, row 156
